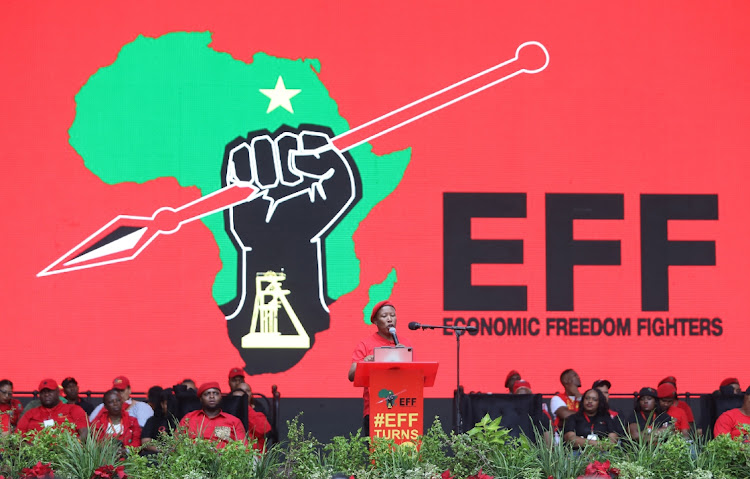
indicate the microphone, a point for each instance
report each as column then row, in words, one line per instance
column 392, row 330
column 415, row 325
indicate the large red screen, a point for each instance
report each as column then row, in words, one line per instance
column 591, row 215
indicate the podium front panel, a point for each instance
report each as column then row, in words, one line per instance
column 397, row 404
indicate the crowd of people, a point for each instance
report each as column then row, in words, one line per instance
column 582, row 418
column 579, row 418
column 136, row 423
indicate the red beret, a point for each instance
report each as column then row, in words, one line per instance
column 521, row 383
column 666, row 391
column 206, row 386
column 512, row 373
column 234, row 372
column 669, row 379
column 47, row 384
column 377, row 308
column 729, row 381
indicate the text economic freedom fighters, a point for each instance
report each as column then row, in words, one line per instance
column 609, row 326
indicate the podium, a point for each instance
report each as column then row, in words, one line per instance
column 396, row 397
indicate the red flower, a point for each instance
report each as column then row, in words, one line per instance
column 446, row 475
column 110, row 472
column 480, row 475
column 40, row 470
column 601, row 469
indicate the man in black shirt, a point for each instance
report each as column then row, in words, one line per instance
column 70, row 387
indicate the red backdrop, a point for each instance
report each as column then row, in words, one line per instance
column 638, row 98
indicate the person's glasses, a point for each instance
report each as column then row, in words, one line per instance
column 6, row 392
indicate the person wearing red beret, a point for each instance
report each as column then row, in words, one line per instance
column 734, row 383
column 210, row 422
column 667, row 397
column 383, row 317
column 53, row 411
column 680, row 404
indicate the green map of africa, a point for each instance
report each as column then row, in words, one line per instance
column 168, row 106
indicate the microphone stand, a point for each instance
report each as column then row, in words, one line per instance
column 459, row 331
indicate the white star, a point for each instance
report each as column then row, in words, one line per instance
column 280, row 96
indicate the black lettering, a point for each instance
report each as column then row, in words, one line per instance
column 573, row 326
column 609, row 327
column 563, row 252
column 586, row 326
column 658, row 252
column 596, row 327
column 532, row 330
column 694, row 327
column 623, row 326
column 658, row 327
column 475, row 323
column 671, row 326
column 486, row 327
column 717, row 327
column 460, row 252
column 550, row 325
column 501, row 322
column 705, row 327
column 447, row 322
column 644, row 324
column 514, row 326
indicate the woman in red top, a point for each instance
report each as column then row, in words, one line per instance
column 113, row 421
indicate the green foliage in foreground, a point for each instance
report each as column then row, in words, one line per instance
column 488, row 448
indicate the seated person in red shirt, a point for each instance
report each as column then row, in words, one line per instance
column 257, row 422
column 591, row 423
column 731, row 421
column 210, row 422
column 8, row 405
column 667, row 398
column 680, row 404
column 4, row 424
column 113, row 421
column 53, row 411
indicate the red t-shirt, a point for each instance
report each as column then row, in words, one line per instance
column 366, row 348
column 571, row 404
column 728, row 423
column 681, row 422
column 686, row 409
column 14, row 408
column 222, row 428
column 257, row 427
column 34, row 419
column 4, row 423
column 129, row 435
